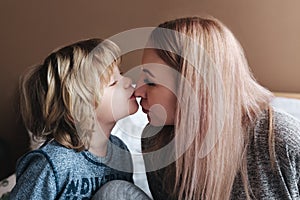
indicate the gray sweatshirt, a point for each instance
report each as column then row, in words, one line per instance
column 282, row 182
column 56, row 172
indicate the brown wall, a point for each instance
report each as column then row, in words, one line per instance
column 269, row 31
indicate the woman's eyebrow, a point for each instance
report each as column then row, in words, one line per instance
column 148, row 72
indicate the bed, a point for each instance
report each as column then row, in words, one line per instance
column 288, row 102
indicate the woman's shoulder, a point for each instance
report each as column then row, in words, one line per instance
column 286, row 129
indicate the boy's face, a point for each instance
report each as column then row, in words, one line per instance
column 118, row 100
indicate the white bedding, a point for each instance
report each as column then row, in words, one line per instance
column 289, row 105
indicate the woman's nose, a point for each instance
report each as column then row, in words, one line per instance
column 140, row 90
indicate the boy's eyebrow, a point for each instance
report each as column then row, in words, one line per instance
column 148, row 72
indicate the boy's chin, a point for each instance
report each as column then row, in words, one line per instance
column 133, row 108
column 131, row 111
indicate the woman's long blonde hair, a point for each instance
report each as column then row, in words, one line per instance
column 58, row 97
column 212, row 120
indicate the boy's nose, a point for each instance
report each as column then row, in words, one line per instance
column 127, row 82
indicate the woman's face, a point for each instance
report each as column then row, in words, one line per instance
column 157, row 88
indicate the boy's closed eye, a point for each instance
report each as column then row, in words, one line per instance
column 112, row 84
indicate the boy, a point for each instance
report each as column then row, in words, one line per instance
column 70, row 102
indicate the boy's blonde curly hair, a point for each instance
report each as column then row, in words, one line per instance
column 59, row 97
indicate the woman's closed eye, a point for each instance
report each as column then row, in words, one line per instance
column 148, row 82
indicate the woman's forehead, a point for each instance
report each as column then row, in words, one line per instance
column 150, row 56
column 152, row 64
column 156, row 70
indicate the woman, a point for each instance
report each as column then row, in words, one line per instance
column 224, row 139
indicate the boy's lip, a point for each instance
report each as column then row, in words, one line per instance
column 132, row 96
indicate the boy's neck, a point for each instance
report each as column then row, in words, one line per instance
column 99, row 139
